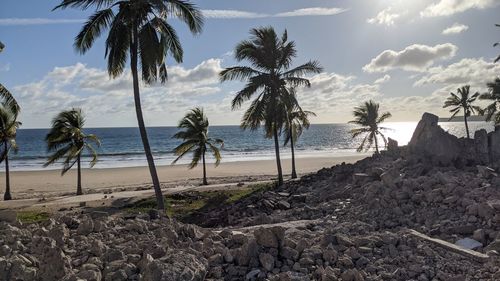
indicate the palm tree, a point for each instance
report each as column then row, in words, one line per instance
column 139, row 29
column 497, row 44
column 296, row 120
column 2, row 46
column 368, row 117
column 196, row 140
column 462, row 101
column 9, row 110
column 492, row 111
column 267, row 77
column 67, row 140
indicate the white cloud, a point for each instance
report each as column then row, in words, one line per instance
column 108, row 99
column 476, row 72
column 231, row 14
column 455, row 29
column 37, row 21
column 385, row 17
column 383, row 79
column 412, row 58
column 5, row 67
column 315, row 11
column 450, row 7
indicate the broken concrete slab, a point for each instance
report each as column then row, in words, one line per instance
column 479, row 257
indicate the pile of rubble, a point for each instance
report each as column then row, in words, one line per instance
column 395, row 216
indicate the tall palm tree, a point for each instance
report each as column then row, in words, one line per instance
column 67, row 140
column 296, row 121
column 492, row 111
column 9, row 110
column 196, row 140
column 368, row 117
column 267, row 77
column 462, row 101
column 496, row 45
column 138, row 28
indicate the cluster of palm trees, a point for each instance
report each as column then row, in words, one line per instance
column 463, row 101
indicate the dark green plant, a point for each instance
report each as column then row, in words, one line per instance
column 9, row 111
column 492, row 111
column 139, row 29
column 267, row 79
column 196, row 140
column 462, row 101
column 369, row 118
column 66, row 140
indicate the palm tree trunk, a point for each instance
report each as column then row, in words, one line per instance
column 376, row 144
column 204, row 170
column 278, row 161
column 79, row 177
column 294, row 173
column 466, row 126
column 140, row 121
column 7, row 195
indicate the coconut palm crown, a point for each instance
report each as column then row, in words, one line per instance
column 492, row 111
column 267, row 77
column 462, row 101
column 137, row 29
column 496, row 45
column 369, row 118
column 9, row 110
column 66, row 141
column 196, row 140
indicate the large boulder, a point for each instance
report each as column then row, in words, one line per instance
column 432, row 142
column 494, row 145
column 481, row 146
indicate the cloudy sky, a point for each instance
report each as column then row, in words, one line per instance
column 406, row 54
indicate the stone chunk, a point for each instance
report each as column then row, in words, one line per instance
column 468, row 243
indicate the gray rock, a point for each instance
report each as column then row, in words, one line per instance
column 469, row 244
column 481, row 146
column 267, row 261
column 9, row 216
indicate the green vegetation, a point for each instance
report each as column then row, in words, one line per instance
column 9, row 111
column 184, row 204
column 369, row 118
column 492, row 111
column 269, row 79
column 141, row 30
column 462, row 101
column 67, row 140
column 196, row 140
column 32, row 216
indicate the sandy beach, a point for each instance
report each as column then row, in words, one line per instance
column 26, row 184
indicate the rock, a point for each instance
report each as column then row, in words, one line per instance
column 391, row 177
column 283, row 205
column 430, row 141
column 352, row 275
column 9, row 216
column 481, row 146
column 267, row 261
column 178, row 265
column 86, row 226
column 252, row 274
column 361, row 178
column 479, row 235
column 392, row 145
column 494, row 142
column 269, row 237
column 486, row 172
column 469, row 244
column 154, row 214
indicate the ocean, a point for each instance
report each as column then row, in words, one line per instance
column 122, row 147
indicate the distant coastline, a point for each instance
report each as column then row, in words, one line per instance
column 461, row 119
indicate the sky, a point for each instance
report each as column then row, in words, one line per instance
column 408, row 55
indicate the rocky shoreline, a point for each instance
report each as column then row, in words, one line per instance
column 394, row 216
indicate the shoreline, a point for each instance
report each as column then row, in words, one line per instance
column 34, row 184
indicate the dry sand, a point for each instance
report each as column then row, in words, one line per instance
column 33, row 184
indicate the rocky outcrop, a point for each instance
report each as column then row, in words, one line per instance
column 431, row 143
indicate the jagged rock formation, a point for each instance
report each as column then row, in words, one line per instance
column 431, row 142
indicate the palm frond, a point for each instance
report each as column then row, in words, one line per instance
column 92, row 29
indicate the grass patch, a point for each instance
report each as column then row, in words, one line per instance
column 181, row 205
column 32, row 217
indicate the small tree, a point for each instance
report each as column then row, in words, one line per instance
column 8, row 129
column 462, row 102
column 196, row 140
column 492, row 111
column 368, row 117
column 67, row 140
